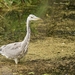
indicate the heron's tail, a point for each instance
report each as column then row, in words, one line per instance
column 0, row 50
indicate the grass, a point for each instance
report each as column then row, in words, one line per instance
column 51, row 56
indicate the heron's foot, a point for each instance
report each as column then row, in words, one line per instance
column 16, row 60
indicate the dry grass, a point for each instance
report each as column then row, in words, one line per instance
column 50, row 48
column 50, row 56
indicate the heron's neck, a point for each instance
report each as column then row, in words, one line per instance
column 27, row 37
column 28, row 31
column 27, row 25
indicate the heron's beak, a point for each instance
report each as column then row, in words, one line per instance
column 39, row 18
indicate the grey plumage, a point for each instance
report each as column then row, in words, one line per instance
column 17, row 50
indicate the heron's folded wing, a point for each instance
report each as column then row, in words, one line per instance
column 12, row 49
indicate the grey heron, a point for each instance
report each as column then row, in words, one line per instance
column 17, row 50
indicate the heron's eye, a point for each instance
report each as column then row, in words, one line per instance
column 31, row 17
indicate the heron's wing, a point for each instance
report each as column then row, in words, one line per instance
column 11, row 50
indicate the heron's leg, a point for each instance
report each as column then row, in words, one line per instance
column 16, row 60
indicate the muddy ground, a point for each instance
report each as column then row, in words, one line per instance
column 50, row 56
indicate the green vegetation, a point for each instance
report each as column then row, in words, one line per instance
column 52, row 45
column 13, row 16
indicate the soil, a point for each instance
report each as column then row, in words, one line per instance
column 51, row 56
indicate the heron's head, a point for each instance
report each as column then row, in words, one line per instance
column 33, row 17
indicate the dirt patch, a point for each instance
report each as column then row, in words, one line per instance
column 51, row 56
column 65, row 66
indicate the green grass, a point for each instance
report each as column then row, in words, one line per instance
column 54, row 55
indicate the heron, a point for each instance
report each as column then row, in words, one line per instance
column 17, row 50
